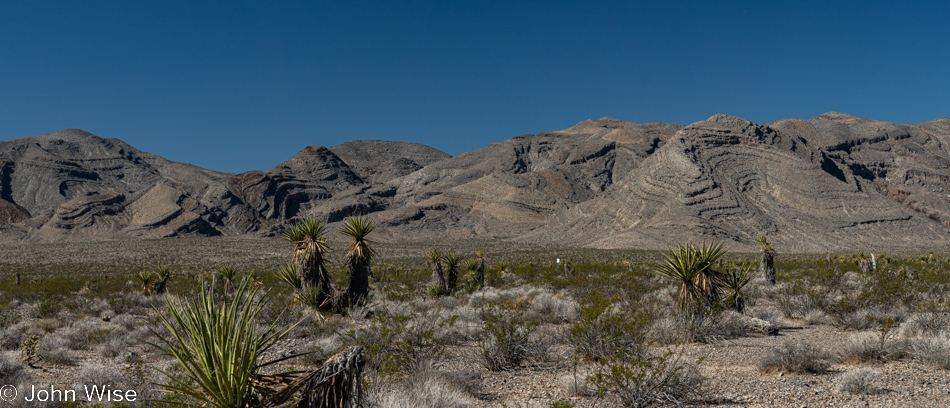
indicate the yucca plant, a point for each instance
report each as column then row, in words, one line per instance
column 312, row 298
column 288, row 274
column 693, row 270
column 310, row 249
column 480, row 269
column 434, row 259
column 164, row 274
column 218, row 346
column 360, row 256
column 228, row 274
column 767, row 264
column 146, row 280
column 452, row 262
column 733, row 280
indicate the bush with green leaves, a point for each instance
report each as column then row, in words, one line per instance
column 649, row 379
column 606, row 326
column 403, row 341
column 506, row 340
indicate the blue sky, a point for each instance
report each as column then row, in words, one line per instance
column 240, row 85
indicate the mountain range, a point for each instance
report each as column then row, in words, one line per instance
column 831, row 183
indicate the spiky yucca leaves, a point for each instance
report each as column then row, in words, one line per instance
column 218, row 346
column 767, row 264
column 228, row 273
column 360, row 257
column 310, row 248
column 452, row 262
column 733, row 280
column 312, row 298
column 146, row 280
column 435, row 259
column 289, row 275
column 693, row 270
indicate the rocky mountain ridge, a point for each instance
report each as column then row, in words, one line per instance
column 831, row 183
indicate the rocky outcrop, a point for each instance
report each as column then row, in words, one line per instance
column 728, row 179
column 378, row 161
column 513, row 187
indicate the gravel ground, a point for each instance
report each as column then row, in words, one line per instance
column 732, row 378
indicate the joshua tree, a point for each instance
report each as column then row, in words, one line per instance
column 361, row 256
column 310, row 248
column 435, row 259
column 452, row 262
column 767, row 266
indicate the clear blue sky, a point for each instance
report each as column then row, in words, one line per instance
column 240, row 85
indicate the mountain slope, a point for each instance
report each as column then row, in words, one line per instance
column 835, row 182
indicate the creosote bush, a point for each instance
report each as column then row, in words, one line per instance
column 506, row 339
column 604, row 328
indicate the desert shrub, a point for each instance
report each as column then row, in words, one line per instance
column 9, row 339
column 11, row 368
column 82, row 305
column 934, row 351
column 795, row 358
column 795, row 297
column 859, row 381
column 402, row 341
column 553, row 307
column 932, row 318
column 113, row 347
column 816, row 317
column 768, row 314
column 886, row 289
column 86, row 333
column 605, row 327
column 506, row 339
column 847, row 313
column 647, row 379
column 425, row 389
column 700, row 325
column 55, row 348
column 97, row 373
column 9, row 315
column 318, row 350
column 872, row 347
